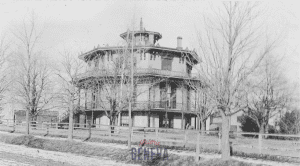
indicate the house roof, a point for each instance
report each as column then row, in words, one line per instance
column 193, row 54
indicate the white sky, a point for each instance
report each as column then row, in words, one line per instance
column 79, row 26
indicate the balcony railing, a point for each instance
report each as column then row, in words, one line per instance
column 137, row 72
column 145, row 106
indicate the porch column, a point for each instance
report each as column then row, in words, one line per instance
column 197, row 123
column 119, row 119
column 92, row 117
column 182, row 120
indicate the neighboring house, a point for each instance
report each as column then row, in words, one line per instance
column 215, row 122
column 43, row 116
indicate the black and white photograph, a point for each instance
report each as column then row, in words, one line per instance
column 149, row 82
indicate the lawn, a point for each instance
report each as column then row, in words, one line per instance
column 120, row 155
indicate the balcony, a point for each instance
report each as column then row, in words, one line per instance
column 146, row 106
column 138, row 72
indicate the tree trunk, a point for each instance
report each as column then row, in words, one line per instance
column 111, row 122
column 262, row 129
column 33, row 122
column 90, row 130
column 203, row 127
column 70, row 134
column 266, row 130
column 225, row 137
column 27, row 122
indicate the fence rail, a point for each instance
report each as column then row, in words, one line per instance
column 210, row 140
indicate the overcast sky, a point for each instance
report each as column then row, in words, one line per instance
column 79, row 26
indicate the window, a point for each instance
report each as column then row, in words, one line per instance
column 144, row 56
column 96, row 62
column 124, row 120
column 166, row 64
column 154, row 56
column 151, row 56
column 102, row 58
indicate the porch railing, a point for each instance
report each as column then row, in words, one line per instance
column 145, row 105
column 138, row 72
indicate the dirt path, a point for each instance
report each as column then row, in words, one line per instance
column 14, row 155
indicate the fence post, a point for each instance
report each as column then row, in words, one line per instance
column 185, row 137
column 131, row 134
column 14, row 126
column 156, row 134
column 260, row 143
column 219, row 141
column 144, row 133
column 47, row 129
column 197, row 147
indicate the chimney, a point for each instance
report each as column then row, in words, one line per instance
column 141, row 25
column 179, row 43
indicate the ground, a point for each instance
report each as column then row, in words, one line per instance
column 21, row 155
column 15, row 155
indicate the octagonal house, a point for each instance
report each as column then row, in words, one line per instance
column 161, row 95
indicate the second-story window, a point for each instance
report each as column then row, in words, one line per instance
column 107, row 56
column 97, row 62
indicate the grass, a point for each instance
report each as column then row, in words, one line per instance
column 205, row 149
column 120, row 155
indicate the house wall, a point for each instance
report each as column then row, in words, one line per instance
column 144, row 62
column 176, row 66
column 143, row 92
column 140, row 120
column 155, row 64
column 177, row 122
column 179, row 96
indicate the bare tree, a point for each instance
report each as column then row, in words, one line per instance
column 4, row 80
column 268, row 93
column 203, row 104
column 71, row 67
column 32, row 72
column 231, row 47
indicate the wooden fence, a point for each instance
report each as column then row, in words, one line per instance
column 207, row 140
